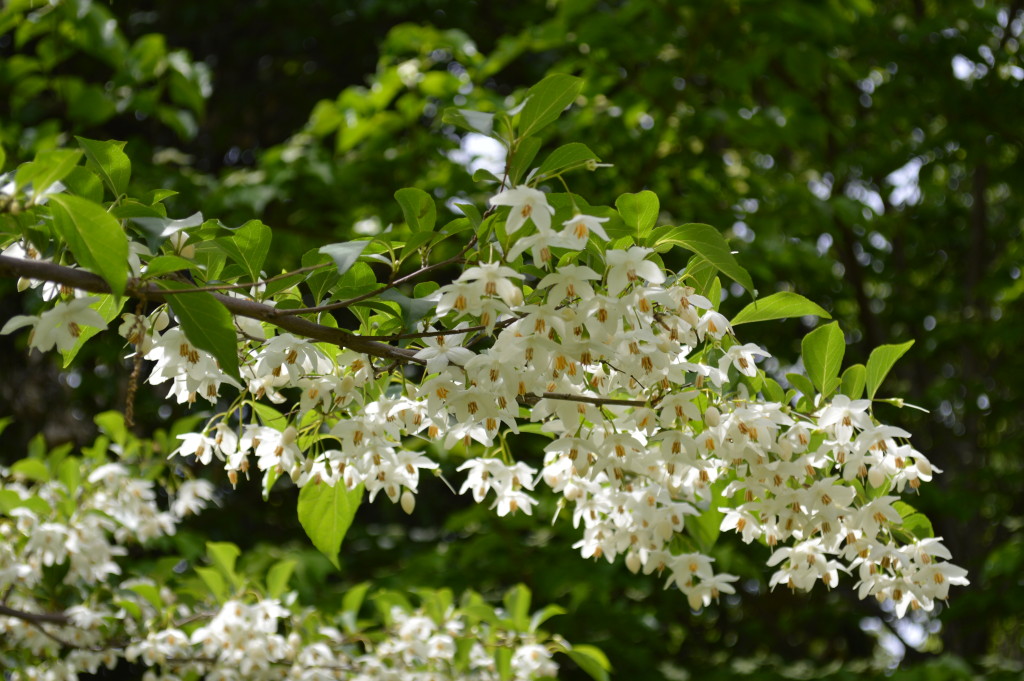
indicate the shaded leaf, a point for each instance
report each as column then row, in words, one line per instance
column 591, row 660
column 110, row 161
column 418, row 208
column 207, row 324
column 344, row 254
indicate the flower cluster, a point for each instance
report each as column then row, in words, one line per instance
column 651, row 405
column 662, row 432
column 81, row 529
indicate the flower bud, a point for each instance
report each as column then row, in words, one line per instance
column 161, row 320
column 712, row 416
column 633, row 563
column 408, row 502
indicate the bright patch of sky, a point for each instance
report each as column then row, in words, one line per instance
column 904, row 181
column 479, row 152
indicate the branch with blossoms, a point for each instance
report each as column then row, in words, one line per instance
column 254, row 627
column 564, row 319
column 150, row 291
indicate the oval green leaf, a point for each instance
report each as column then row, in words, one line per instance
column 880, row 362
column 781, row 305
column 326, row 513
column 546, row 101
column 823, row 351
column 207, row 324
column 95, row 238
column 707, row 242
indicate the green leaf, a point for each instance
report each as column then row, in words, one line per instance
column 108, row 307
column 543, row 615
column 269, row 416
column 773, row 391
column 351, row 602
column 109, row 159
column 248, row 246
column 801, row 383
column 96, row 239
column 639, row 212
column 159, row 228
column 853, row 382
column 150, row 592
column 418, row 208
column 413, row 309
column 591, row 660
column 517, row 607
column 70, row 473
column 781, row 305
column 162, row 264
column 83, row 182
column 471, row 212
column 207, row 324
column 564, row 158
column 326, row 513
column 706, row 527
column 700, row 274
column 823, row 350
column 47, row 168
column 914, row 522
column 475, row 121
column 111, row 423
column 880, row 362
column 224, row 555
column 522, row 158
column 278, row 576
column 707, row 242
column 546, row 100
column 32, row 469
column 344, row 254
column 214, row 582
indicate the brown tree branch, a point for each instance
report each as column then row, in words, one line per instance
column 532, row 399
column 138, row 288
column 36, row 618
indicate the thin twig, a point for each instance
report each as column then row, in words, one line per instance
column 230, row 287
column 376, row 292
column 531, row 399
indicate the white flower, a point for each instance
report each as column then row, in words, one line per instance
column 527, row 204
column 741, row 357
column 495, row 280
column 625, row 267
column 60, row 326
column 579, row 227
column 440, row 351
column 569, row 281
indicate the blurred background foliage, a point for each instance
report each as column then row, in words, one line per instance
column 865, row 154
